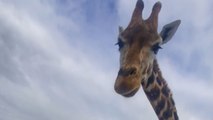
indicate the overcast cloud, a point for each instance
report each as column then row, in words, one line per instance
column 58, row 60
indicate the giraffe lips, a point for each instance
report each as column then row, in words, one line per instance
column 131, row 93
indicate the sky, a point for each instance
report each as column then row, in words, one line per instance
column 58, row 60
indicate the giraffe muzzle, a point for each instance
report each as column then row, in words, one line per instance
column 126, row 83
column 127, row 72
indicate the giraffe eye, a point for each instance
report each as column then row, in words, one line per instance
column 120, row 43
column 155, row 48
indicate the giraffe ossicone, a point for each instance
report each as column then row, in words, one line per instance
column 138, row 46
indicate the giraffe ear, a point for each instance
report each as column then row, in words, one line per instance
column 120, row 28
column 169, row 30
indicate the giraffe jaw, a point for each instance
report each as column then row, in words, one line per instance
column 127, row 86
column 130, row 93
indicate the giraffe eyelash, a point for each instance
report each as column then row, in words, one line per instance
column 156, row 47
column 120, row 44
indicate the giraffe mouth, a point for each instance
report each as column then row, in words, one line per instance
column 131, row 93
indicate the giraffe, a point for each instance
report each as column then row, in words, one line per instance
column 138, row 46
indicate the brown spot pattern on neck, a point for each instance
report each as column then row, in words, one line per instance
column 159, row 95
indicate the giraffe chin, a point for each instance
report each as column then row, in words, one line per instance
column 131, row 93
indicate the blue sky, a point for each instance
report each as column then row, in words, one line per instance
column 58, row 60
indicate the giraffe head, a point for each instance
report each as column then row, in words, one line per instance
column 138, row 45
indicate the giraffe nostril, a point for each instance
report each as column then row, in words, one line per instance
column 127, row 72
column 132, row 71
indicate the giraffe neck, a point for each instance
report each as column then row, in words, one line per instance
column 159, row 95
